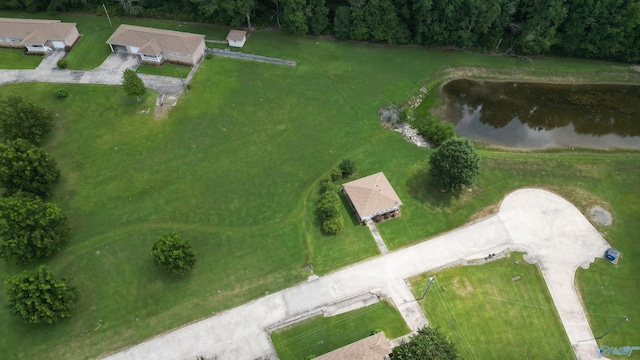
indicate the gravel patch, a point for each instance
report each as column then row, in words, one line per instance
column 600, row 215
column 390, row 118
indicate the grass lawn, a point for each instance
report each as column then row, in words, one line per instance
column 235, row 169
column 490, row 316
column 320, row 335
column 166, row 69
column 17, row 59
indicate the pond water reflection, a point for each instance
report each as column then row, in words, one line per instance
column 539, row 115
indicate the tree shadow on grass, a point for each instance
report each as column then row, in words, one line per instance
column 423, row 187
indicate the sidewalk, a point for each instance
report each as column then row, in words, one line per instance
column 551, row 230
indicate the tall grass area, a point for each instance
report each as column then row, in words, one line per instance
column 489, row 315
column 320, row 335
column 235, row 169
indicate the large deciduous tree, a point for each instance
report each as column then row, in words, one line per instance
column 174, row 253
column 428, row 344
column 24, row 167
column 39, row 297
column 21, row 118
column 30, row 229
column 132, row 84
column 454, row 164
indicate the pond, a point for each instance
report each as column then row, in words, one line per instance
column 539, row 115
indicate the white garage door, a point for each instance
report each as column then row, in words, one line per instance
column 134, row 49
column 58, row 44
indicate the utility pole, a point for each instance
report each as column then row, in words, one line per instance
column 105, row 10
column 625, row 318
column 431, row 280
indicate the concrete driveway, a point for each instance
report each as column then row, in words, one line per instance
column 551, row 230
column 108, row 73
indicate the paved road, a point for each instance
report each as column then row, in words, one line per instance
column 108, row 73
column 551, row 230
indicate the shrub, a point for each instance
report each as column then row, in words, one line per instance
column 333, row 225
column 328, row 205
column 327, row 186
column 348, row 168
column 336, row 174
column 62, row 93
column 38, row 297
column 208, row 56
column 435, row 130
column 454, row 164
column 174, row 253
column 62, row 64
column 375, row 331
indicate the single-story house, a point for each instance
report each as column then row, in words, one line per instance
column 373, row 197
column 37, row 36
column 237, row 38
column 158, row 46
column 374, row 347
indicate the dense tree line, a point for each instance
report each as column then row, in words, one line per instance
column 602, row 29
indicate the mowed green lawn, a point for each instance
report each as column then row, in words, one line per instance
column 166, row 69
column 320, row 335
column 235, row 168
column 17, row 59
column 489, row 315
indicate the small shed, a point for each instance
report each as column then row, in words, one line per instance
column 237, row 38
column 373, row 197
column 612, row 255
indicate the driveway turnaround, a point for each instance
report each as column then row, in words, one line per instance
column 108, row 73
column 549, row 229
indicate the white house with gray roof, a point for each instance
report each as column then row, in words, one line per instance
column 37, row 36
column 158, row 46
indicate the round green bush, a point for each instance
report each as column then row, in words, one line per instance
column 174, row 253
column 62, row 64
column 62, row 93
column 333, row 225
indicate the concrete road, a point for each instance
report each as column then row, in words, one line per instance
column 552, row 232
column 108, row 73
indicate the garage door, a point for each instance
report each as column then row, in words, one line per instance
column 134, row 49
column 58, row 44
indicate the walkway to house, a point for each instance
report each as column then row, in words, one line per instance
column 108, row 73
column 376, row 235
column 549, row 229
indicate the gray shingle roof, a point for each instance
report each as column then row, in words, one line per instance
column 153, row 41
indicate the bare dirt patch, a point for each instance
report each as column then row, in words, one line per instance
column 164, row 104
column 462, row 286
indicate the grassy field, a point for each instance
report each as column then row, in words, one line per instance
column 320, row 335
column 490, row 316
column 235, row 169
column 16, row 59
column 166, row 69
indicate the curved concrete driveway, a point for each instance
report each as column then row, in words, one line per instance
column 551, row 230
column 108, row 73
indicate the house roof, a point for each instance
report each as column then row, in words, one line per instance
column 374, row 347
column 236, row 35
column 34, row 31
column 153, row 41
column 372, row 194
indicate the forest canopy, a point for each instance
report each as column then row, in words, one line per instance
column 602, row 29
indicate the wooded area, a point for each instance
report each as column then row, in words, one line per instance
column 595, row 29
